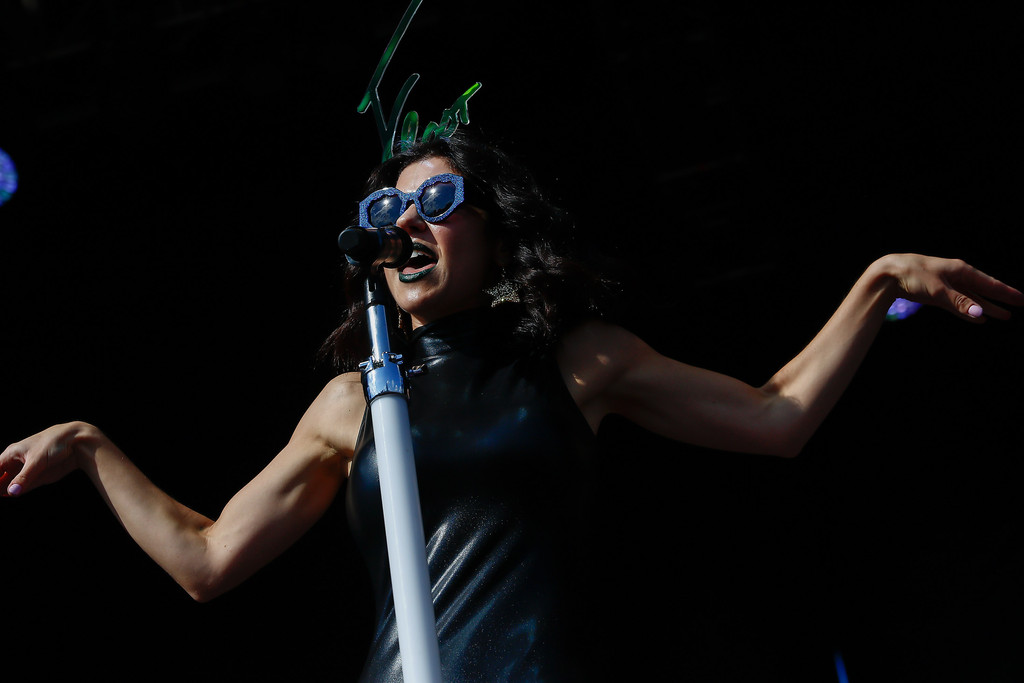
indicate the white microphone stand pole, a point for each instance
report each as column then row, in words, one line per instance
column 403, row 521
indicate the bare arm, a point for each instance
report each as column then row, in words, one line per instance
column 609, row 370
column 205, row 556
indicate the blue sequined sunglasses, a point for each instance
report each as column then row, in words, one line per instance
column 435, row 200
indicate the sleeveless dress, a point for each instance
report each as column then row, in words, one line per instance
column 503, row 463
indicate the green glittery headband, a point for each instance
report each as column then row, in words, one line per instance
column 450, row 118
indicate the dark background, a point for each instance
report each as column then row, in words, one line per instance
column 169, row 270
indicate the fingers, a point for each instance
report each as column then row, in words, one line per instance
column 19, row 469
column 980, row 292
column 988, row 309
column 12, row 462
column 964, row 305
column 988, row 286
column 35, row 461
column 4, row 482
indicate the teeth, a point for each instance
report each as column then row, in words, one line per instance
column 420, row 250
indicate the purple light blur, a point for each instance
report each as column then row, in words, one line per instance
column 901, row 308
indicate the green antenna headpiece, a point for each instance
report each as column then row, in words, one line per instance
column 450, row 118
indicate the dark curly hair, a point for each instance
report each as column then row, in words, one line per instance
column 556, row 289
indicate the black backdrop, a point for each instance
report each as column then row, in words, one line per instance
column 169, row 270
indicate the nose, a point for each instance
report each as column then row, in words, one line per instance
column 410, row 220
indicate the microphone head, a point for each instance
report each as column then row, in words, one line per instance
column 375, row 247
column 396, row 247
column 358, row 245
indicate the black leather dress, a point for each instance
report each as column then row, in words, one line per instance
column 502, row 457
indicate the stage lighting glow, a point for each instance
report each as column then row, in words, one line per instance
column 901, row 308
column 8, row 177
column 841, row 668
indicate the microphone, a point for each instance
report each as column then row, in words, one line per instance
column 375, row 247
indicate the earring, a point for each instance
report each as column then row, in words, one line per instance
column 504, row 292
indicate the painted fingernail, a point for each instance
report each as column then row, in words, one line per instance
column 14, row 490
column 975, row 311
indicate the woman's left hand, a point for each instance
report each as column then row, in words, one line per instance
column 950, row 284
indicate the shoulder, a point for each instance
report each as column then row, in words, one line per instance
column 596, row 346
column 344, row 389
column 343, row 397
column 595, row 334
column 340, row 398
column 593, row 358
column 336, row 413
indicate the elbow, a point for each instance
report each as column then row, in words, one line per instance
column 202, row 591
column 199, row 595
column 204, row 584
column 212, row 582
column 212, row 571
column 785, row 431
column 199, row 591
column 781, row 446
column 790, row 441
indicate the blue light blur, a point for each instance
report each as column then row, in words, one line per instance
column 901, row 308
column 8, row 177
column 841, row 668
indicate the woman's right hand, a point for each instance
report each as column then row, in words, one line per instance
column 43, row 458
column 207, row 556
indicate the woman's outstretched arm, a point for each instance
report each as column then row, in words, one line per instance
column 207, row 556
column 609, row 370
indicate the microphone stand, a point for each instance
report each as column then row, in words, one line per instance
column 403, row 522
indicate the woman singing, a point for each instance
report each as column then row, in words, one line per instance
column 505, row 401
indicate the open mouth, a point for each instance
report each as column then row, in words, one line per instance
column 422, row 261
